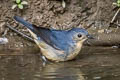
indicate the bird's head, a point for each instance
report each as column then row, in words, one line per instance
column 79, row 34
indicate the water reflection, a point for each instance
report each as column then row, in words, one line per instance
column 92, row 64
column 30, row 68
column 60, row 71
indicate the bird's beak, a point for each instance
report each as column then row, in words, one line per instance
column 90, row 36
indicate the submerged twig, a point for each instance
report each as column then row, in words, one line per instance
column 20, row 33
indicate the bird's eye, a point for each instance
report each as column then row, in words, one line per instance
column 79, row 35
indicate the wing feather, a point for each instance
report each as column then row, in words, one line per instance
column 55, row 38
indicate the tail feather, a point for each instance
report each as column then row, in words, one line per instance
column 25, row 23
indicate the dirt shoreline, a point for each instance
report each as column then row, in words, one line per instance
column 96, row 14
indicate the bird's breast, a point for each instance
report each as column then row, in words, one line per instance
column 75, row 51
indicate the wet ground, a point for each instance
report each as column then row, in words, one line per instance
column 94, row 63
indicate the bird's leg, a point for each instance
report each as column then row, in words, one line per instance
column 44, row 60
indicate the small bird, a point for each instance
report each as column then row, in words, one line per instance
column 57, row 45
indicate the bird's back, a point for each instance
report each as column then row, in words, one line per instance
column 56, row 38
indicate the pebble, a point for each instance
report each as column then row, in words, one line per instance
column 97, row 77
column 3, row 40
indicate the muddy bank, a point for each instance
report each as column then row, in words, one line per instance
column 96, row 14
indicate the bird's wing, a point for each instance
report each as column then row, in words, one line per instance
column 54, row 38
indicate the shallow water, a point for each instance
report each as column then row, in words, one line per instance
column 94, row 63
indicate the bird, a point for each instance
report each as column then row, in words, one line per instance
column 57, row 45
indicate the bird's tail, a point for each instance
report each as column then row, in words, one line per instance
column 25, row 23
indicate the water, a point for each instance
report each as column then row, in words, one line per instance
column 94, row 63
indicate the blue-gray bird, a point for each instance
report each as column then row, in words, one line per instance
column 57, row 45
